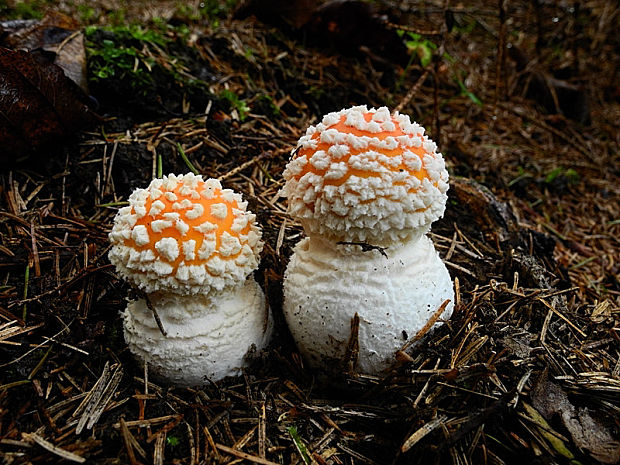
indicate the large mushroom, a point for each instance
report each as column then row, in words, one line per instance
column 366, row 186
column 190, row 246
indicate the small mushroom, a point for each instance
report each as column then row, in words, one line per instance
column 366, row 186
column 190, row 246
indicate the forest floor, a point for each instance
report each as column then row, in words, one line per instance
column 524, row 104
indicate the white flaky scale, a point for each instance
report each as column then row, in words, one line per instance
column 366, row 186
column 191, row 245
column 357, row 178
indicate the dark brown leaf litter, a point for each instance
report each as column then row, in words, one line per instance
column 42, row 66
column 527, row 368
column 57, row 35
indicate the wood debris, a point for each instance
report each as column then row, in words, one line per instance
column 530, row 236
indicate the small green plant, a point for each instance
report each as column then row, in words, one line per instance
column 571, row 176
column 119, row 54
column 522, row 173
column 214, row 10
column 299, row 445
column 235, row 102
column 113, row 61
column 264, row 103
column 149, row 66
column 421, row 47
column 468, row 93
column 172, row 441
column 26, row 10
column 186, row 12
column 466, row 28
column 117, row 17
column 86, row 13
column 144, row 35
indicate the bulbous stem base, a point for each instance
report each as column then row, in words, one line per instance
column 394, row 291
column 207, row 337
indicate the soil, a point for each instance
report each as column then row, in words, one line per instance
column 523, row 102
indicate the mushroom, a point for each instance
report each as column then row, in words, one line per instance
column 366, row 186
column 190, row 246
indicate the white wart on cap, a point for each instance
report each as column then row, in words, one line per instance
column 186, row 236
column 366, row 175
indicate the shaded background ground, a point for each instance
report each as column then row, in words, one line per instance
column 522, row 101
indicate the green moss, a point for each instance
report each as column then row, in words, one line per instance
column 236, row 103
column 145, row 70
column 86, row 13
column 23, row 10
column 128, row 53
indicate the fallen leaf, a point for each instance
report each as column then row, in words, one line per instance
column 350, row 26
column 39, row 105
column 56, row 34
column 587, row 432
column 294, row 13
column 547, row 431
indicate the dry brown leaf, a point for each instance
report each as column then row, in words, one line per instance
column 55, row 34
column 39, row 105
column 587, row 432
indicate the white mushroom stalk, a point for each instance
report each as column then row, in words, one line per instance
column 190, row 245
column 366, row 186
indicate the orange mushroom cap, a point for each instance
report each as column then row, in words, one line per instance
column 184, row 235
column 366, row 175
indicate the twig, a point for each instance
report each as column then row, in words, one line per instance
column 501, row 50
column 211, row 443
column 366, row 247
column 148, row 421
column 244, row 455
column 35, row 252
column 189, row 164
column 421, row 432
column 131, row 443
column 34, row 437
column 570, row 323
column 158, row 452
column 460, row 268
column 414, row 89
column 155, row 314
column 26, row 280
column 429, row 324
column 415, row 30
column 95, row 402
column 245, row 165
column 67, row 39
column 280, row 239
column 353, row 347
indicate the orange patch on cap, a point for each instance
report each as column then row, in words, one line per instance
column 222, row 225
column 343, row 128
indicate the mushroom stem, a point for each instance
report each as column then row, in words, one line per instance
column 208, row 337
column 393, row 297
